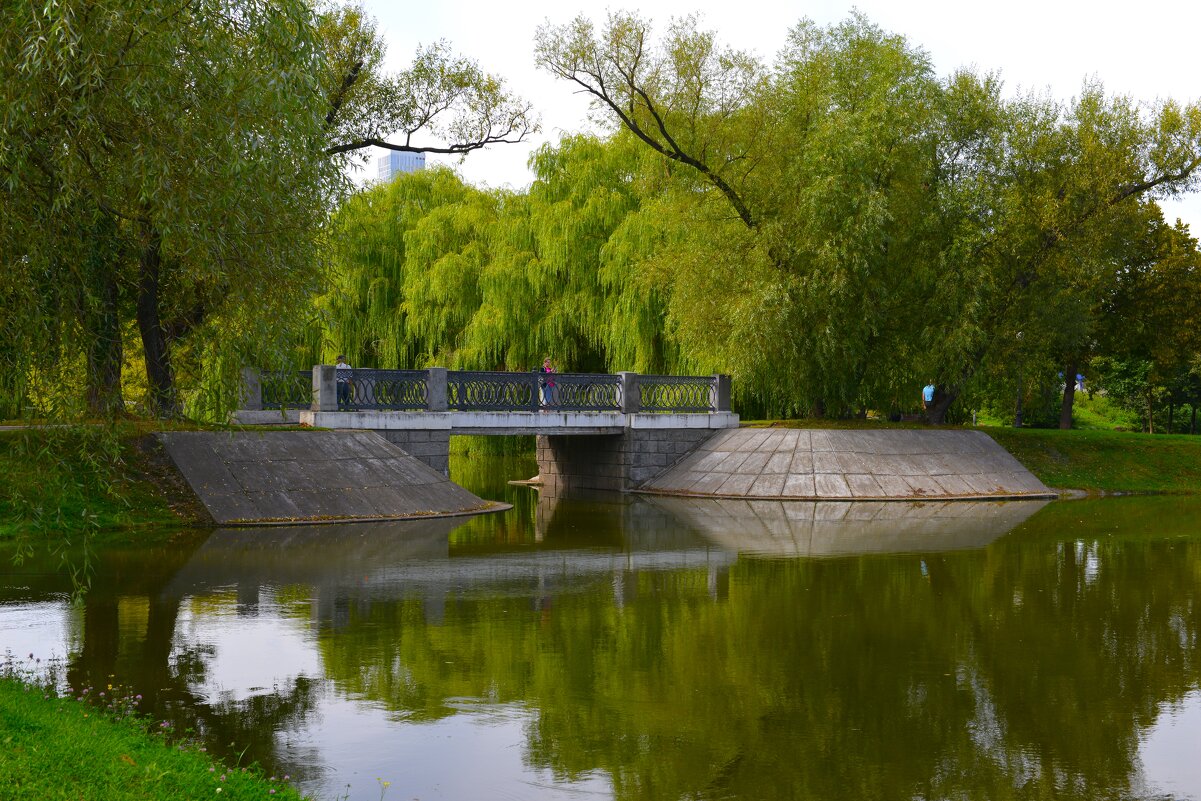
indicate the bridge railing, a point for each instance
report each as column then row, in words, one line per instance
column 477, row 390
column 677, row 393
column 388, row 390
column 581, row 392
column 287, row 389
column 438, row 389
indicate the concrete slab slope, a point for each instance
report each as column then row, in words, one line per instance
column 822, row 464
column 296, row 476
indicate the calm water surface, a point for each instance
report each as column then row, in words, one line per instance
column 665, row 649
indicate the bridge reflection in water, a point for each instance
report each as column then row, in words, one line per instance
column 415, row 558
column 830, row 528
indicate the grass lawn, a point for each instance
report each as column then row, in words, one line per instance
column 54, row 748
column 1112, row 461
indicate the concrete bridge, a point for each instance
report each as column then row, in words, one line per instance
column 595, row 431
column 672, row 435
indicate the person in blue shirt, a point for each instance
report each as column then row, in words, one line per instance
column 928, row 394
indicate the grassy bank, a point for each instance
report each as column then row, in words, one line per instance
column 1109, row 461
column 61, row 748
column 96, row 480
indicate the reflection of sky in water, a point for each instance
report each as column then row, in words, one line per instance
column 488, row 752
column 356, row 743
column 1171, row 749
column 35, row 628
column 251, row 653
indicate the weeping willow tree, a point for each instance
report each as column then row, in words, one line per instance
column 833, row 230
column 428, row 270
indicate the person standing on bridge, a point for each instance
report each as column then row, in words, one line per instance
column 546, row 383
column 342, row 373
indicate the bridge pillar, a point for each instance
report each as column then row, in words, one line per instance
column 252, row 390
column 613, row 462
column 325, row 388
column 430, row 446
column 721, row 393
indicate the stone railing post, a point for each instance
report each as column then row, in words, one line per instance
column 721, row 393
column 435, row 390
column 631, row 394
column 251, row 397
column 325, row 388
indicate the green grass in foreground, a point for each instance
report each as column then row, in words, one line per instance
column 54, row 748
column 1106, row 460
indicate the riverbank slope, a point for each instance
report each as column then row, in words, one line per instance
column 65, row 482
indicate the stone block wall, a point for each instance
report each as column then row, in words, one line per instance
column 431, row 447
column 651, row 451
column 613, row 462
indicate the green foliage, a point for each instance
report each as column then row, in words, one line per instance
column 893, row 224
column 194, row 195
column 62, row 486
column 143, row 183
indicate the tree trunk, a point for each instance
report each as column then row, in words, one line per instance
column 159, row 374
column 1069, row 396
column 105, row 352
column 1171, row 415
column 1192, row 423
column 1150, row 413
column 936, row 410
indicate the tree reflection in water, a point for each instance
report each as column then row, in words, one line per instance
column 1024, row 667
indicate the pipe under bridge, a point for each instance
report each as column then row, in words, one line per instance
column 595, row 431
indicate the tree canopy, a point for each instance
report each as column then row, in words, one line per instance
column 174, row 165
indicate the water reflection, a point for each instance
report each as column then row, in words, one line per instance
column 828, row 528
column 645, row 649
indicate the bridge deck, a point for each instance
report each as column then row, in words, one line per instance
column 508, row 423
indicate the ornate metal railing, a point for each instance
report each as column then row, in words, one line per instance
column 438, row 390
column 382, row 389
column 580, row 392
column 676, row 393
column 471, row 390
column 287, row 389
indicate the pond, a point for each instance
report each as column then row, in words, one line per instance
column 637, row 648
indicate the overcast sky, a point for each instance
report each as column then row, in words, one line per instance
column 1147, row 50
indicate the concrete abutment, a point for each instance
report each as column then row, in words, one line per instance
column 613, row 462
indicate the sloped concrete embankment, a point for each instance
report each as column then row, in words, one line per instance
column 809, row 464
column 276, row 477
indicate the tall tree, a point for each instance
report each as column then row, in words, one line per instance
column 211, row 135
column 892, row 224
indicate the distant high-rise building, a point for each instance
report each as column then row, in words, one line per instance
column 395, row 161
